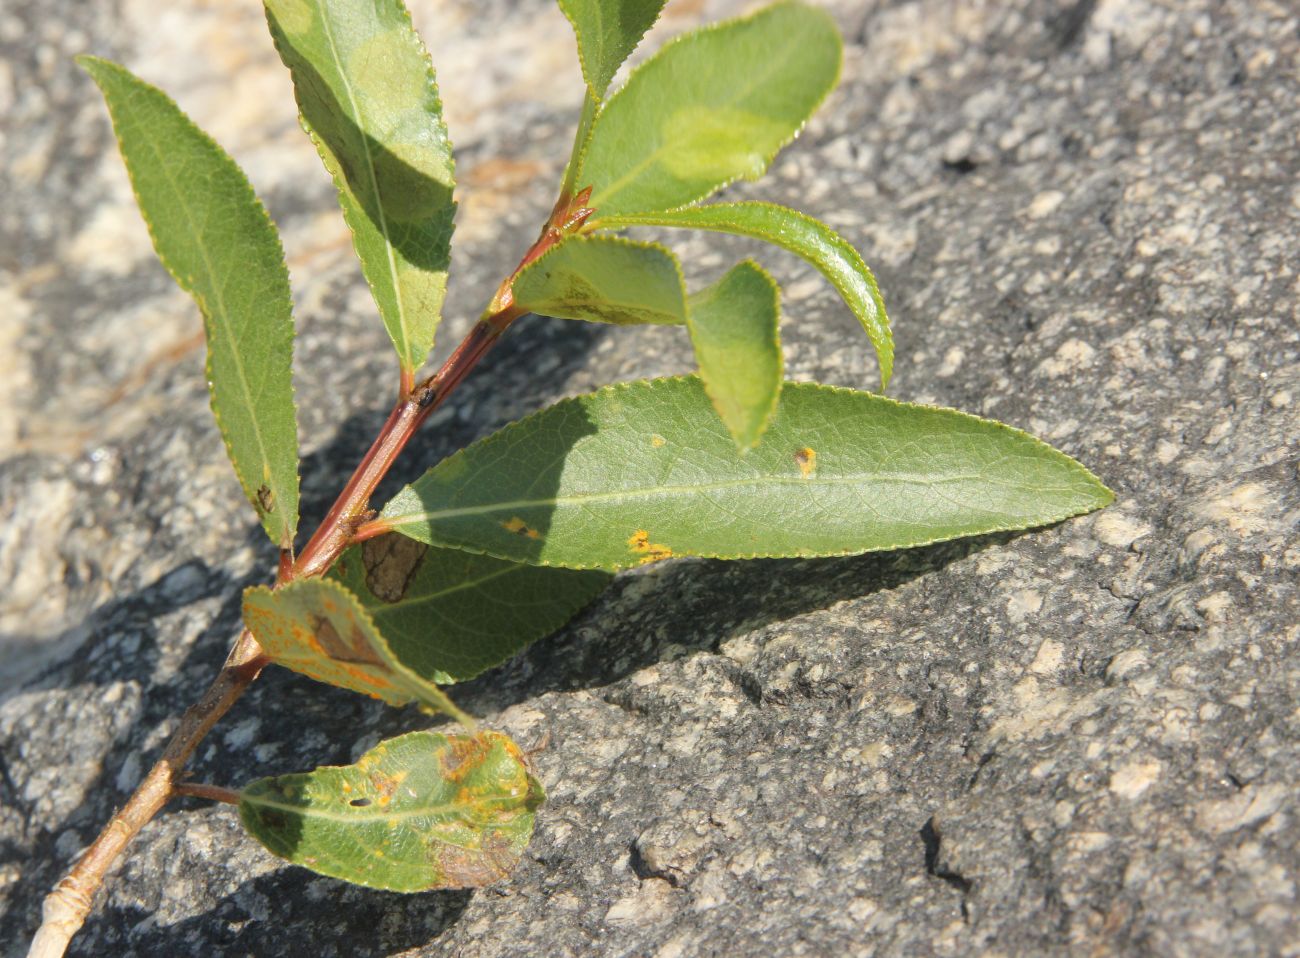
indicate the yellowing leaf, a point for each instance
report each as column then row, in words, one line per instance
column 417, row 812
column 319, row 628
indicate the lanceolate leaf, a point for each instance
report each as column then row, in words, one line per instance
column 645, row 470
column 711, row 107
column 319, row 628
column 800, row 234
column 605, row 279
column 367, row 96
column 608, row 31
column 216, row 240
column 734, row 328
column 449, row 615
column 417, row 812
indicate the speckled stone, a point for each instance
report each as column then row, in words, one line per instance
column 1085, row 217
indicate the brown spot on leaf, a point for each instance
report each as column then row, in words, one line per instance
column 461, row 754
column 807, row 460
column 521, row 528
column 265, row 498
column 474, row 868
column 639, row 542
column 339, row 649
column 391, row 562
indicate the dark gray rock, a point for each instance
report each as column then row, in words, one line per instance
column 1084, row 740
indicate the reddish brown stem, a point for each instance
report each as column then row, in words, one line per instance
column 66, row 908
column 213, row 793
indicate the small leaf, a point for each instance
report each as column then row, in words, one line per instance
column 608, row 31
column 319, row 628
column 734, row 328
column 450, row 615
column 217, row 241
column 417, row 812
column 367, row 96
column 643, row 471
column 802, row 235
column 712, row 106
column 605, row 279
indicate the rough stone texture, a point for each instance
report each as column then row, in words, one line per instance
column 1085, row 218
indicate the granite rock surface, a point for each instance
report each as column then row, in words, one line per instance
column 1085, row 217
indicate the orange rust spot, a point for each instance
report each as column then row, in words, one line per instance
column 807, row 460
column 658, row 441
column 639, row 542
column 520, row 528
column 460, row 756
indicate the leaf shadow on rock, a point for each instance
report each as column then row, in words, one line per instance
column 695, row 606
column 116, row 643
column 289, row 912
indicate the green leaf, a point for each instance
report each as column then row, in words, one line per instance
column 417, row 812
column 217, row 241
column 734, row 328
column 319, row 628
column 605, row 279
column 802, row 235
column 643, row 471
column 450, row 615
column 608, row 31
column 713, row 106
column 367, row 96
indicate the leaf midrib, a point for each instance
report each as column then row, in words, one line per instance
column 442, row 593
column 654, row 491
column 374, row 186
column 222, row 319
column 365, row 816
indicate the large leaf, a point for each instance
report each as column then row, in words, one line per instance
column 367, row 96
column 711, row 107
column 417, row 812
column 608, row 31
column 216, row 240
column 800, row 234
column 319, row 628
column 643, row 471
column 605, row 279
column 449, row 615
column 734, row 328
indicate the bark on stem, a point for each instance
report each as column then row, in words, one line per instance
column 66, row 907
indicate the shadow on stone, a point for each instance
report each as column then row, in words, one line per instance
column 290, row 913
column 693, row 606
